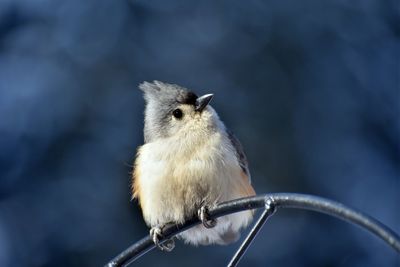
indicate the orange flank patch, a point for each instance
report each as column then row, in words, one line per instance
column 136, row 179
column 246, row 189
column 136, row 183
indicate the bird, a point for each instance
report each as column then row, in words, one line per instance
column 189, row 162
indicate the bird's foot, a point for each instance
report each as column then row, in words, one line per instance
column 204, row 217
column 156, row 235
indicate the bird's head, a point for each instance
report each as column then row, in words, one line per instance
column 172, row 109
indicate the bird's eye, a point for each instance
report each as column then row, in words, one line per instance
column 177, row 113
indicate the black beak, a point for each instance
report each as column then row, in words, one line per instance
column 202, row 102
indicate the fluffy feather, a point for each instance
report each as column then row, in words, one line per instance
column 192, row 163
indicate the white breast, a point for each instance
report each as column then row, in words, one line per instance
column 178, row 177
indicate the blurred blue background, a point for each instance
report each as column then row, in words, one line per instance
column 311, row 88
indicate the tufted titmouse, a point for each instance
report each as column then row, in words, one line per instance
column 190, row 161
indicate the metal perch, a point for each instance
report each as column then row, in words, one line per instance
column 271, row 203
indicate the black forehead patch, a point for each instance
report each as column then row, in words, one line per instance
column 188, row 98
column 167, row 95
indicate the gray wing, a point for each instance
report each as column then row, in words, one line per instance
column 239, row 153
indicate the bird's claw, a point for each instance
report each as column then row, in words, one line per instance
column 204, row 217
column 156, row 234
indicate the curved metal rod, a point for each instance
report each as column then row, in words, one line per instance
column 279, row 200
column 268, row 212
